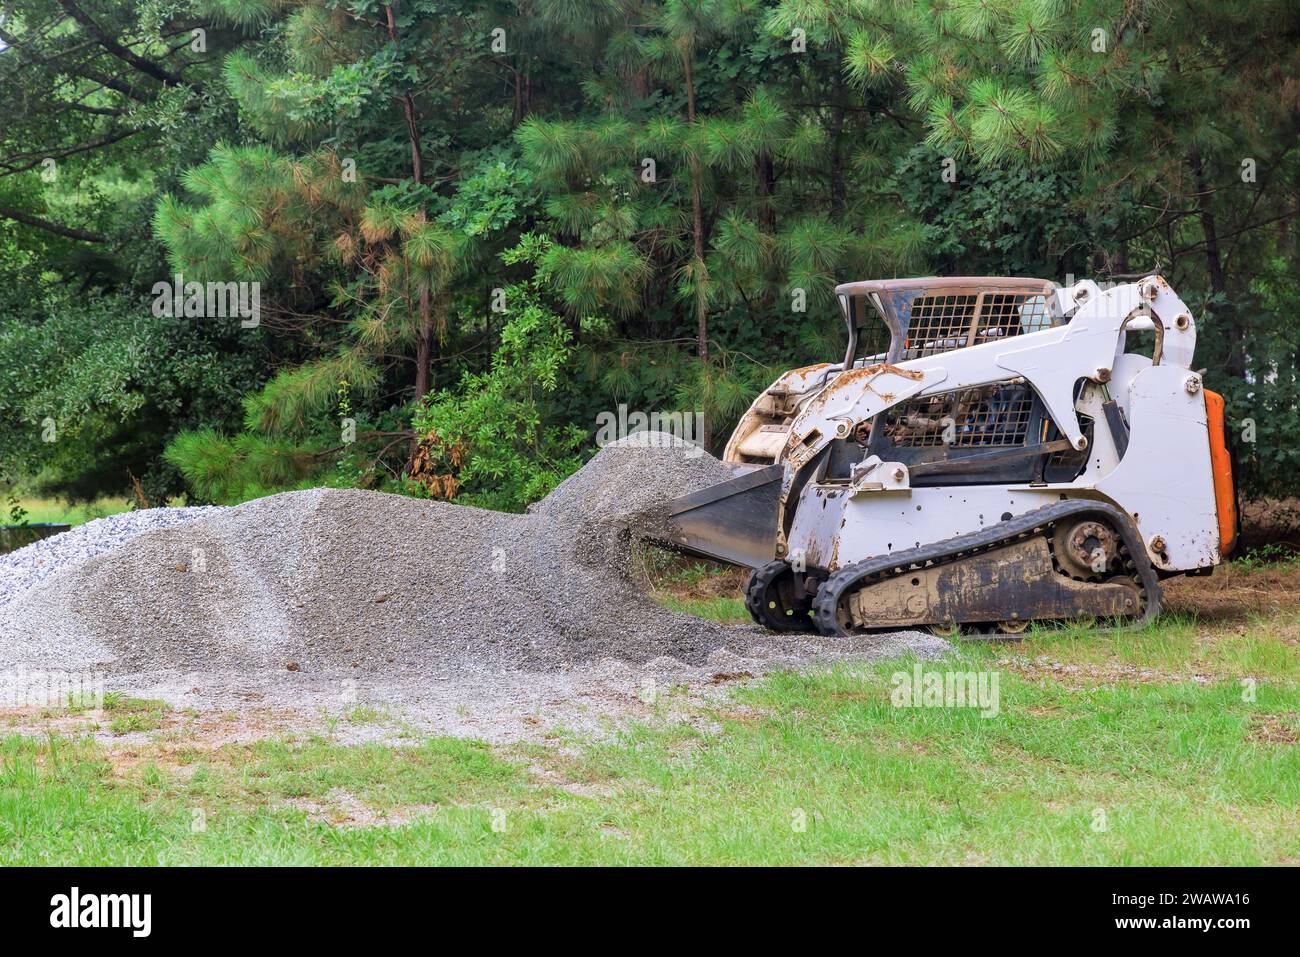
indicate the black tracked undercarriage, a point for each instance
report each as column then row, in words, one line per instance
column 1070, row 560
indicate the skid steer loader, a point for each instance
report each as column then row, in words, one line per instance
column 991, row 452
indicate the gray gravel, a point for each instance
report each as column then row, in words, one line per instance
column 332, row 578
column 635, row 477
column 25, row 567
column 455, row 610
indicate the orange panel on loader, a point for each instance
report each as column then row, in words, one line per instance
column 1221, row 464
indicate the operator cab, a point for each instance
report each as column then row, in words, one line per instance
column 994, row 434
column 896, row 319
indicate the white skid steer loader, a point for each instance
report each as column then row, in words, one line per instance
column 989, row 453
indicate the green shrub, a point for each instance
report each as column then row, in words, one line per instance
column 503, row 435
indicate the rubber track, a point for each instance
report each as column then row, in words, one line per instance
column 826, row 603
column 756, row 591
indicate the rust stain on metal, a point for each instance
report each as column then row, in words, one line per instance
column 867, row 372
column 848, row 379
column 807, row 369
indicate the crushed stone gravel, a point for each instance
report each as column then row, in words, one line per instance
column 24, row 567
column 454, row 610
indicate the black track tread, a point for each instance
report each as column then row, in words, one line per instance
column 760, row 579
column 826, row 603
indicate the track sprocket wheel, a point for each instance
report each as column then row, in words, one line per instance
column 1085, row 549
column 775, row 600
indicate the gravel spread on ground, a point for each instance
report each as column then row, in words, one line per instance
column 304, row 597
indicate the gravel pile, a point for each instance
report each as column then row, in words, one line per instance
column 334, row 582
column 25, row 567
column 333, row 578
column 633, row 478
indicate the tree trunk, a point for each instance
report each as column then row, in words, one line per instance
column 408, row 110
column 1236, row 361
column 697, row 228
column 518, row 116
column 766, row 176
column 423, row 346
column 838, row 196
column 71, row 232
column 413, row 134
column 424, row 337
column 765, row 173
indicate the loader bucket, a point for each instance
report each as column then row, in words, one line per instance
column 734, row 521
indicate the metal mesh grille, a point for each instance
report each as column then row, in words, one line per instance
column 987, row 417
column 1010, row 314
column 939, row 324
column 944, row 323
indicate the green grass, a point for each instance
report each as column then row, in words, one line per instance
column 1175, row 744
column 61, row 512
column 703, row 589
column 798, row 768
column 720, row 608
column 364, row 714
column 1270, row 555
column 1178, row 644
column 128, row 715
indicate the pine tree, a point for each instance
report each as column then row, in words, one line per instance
column 331, row 212
column 726, row 193
column 701, row 173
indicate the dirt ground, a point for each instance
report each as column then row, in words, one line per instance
column 1271, row 523
column 1236, row 594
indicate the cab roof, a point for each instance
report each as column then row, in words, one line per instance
column 945, row 283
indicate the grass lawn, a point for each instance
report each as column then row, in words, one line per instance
column 59, row 511
column 1106, row 748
